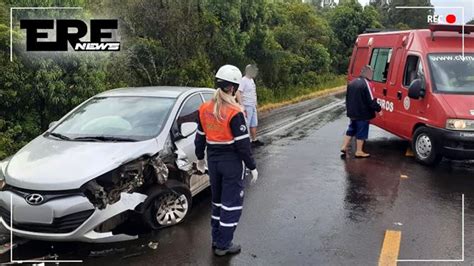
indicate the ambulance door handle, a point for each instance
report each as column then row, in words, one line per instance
column 384, row 91
column 399, row 95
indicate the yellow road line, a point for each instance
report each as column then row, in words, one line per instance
column 390, row 248
column 409, row 152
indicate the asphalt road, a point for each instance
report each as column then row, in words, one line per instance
column 310, row 207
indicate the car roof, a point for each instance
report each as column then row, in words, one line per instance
column 153, row 91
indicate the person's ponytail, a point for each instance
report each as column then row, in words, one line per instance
column 220, row 100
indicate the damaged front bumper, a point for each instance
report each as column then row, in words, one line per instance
column 71, row 218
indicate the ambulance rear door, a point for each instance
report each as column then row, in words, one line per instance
column 380, row 61
column 361, row 58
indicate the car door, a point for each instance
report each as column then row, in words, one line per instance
column 187, row 113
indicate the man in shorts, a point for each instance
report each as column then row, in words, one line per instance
column 247, row 97
column 361, row 107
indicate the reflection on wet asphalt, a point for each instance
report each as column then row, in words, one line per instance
column 310, row 207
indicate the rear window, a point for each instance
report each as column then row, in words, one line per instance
column 380, row 62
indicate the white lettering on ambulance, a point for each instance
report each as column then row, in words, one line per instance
column 386, row 105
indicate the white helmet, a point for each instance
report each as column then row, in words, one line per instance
column 229, row 73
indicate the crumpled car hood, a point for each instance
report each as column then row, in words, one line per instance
column 50, row 164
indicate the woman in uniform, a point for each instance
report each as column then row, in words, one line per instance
column 222, row 129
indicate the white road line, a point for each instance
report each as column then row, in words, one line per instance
column 306, row 116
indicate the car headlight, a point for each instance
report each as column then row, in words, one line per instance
column 3, row 166
column 460, row 124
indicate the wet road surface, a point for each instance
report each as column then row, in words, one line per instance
column 310, row 207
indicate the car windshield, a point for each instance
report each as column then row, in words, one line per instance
column 116, row 119
column 452, row 74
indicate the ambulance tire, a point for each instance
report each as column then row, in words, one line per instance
column 425, row 147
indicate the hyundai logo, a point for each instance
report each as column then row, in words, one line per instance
column 34, row 199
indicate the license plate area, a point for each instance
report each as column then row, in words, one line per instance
column 33, row 214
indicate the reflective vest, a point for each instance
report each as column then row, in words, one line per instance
column 217, row 131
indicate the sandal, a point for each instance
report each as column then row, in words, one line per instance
column 365, row 155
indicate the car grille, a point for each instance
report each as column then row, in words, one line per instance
column 47, row 195
column 63, row 224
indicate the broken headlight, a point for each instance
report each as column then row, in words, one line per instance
column 106, row 189
column 3, row 166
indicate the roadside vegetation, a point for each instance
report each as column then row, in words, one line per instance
column 299, row 47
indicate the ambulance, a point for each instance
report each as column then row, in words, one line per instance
column 424, row 81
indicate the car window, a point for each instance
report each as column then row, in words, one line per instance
column 380, row 62
column 189, row 112
column 137, row 118
column 413, row 70
column 207, row 96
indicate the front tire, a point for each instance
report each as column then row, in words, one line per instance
column 425, row 147
column 169, row 207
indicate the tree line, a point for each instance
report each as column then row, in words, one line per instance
column 297, row 46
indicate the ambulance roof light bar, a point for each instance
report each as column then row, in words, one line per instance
column 454, row 28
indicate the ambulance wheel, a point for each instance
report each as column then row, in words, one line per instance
column 168, row 207
column 425, row 147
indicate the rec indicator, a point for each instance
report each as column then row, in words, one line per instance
column 440, row 19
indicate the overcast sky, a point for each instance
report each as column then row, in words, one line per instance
column 467, row 4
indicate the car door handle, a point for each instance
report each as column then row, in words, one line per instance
column 384, row 91
column 399, row 95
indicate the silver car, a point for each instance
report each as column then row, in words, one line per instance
column 123, row 154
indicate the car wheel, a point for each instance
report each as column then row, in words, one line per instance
column 425, row 147
column 169, row 207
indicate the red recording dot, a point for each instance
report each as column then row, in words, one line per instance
column 451, row 18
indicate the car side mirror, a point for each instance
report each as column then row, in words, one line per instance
column 53, row 124
column 188, row 128
column 416, row 89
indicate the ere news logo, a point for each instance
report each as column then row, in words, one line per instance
column 70, row 31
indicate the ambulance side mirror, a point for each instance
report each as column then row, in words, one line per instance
column 417, row 89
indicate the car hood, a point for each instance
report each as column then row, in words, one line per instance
column 462, row 105
column 50, row 164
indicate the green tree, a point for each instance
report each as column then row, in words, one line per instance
column 395, row 17
column 36, row 89
column 296, row 44
column 347, row 21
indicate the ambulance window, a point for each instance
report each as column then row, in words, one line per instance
column 360, row 60
column 413, row 70
column 380, row 62
column 189, row 112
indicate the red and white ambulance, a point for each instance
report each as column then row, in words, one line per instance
column 424, row 81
